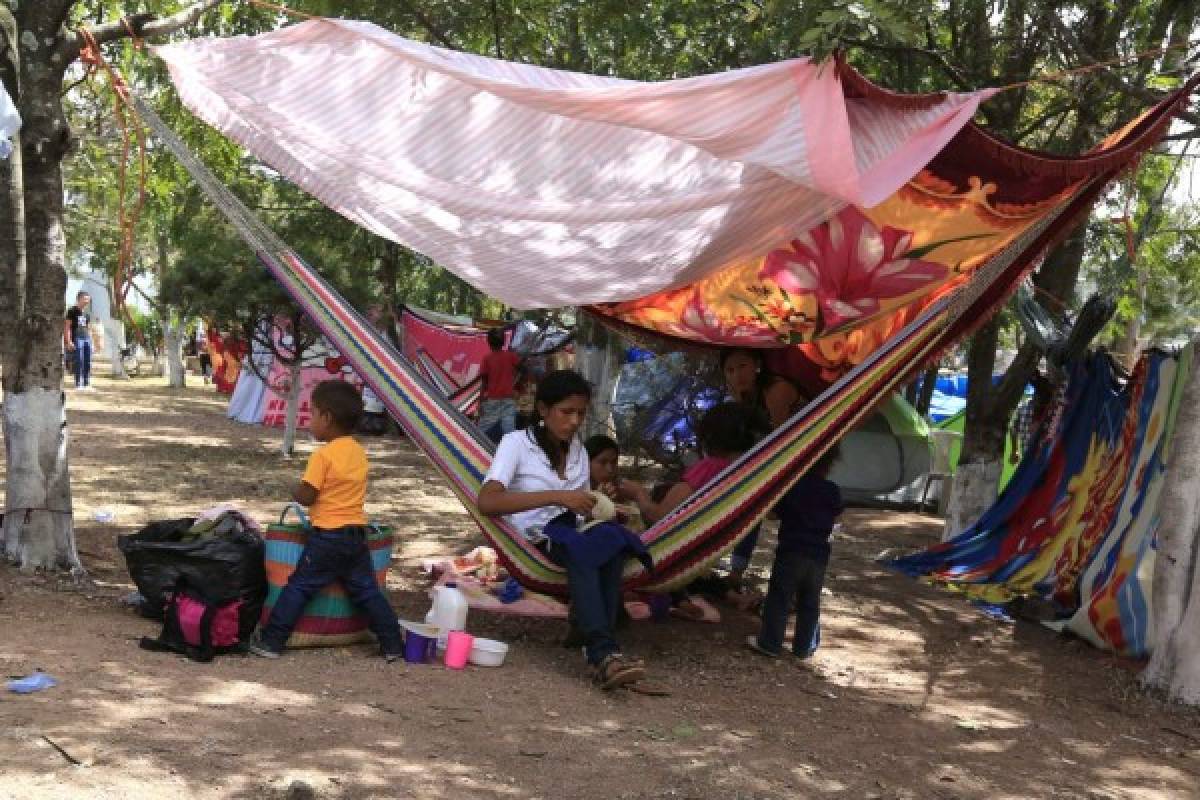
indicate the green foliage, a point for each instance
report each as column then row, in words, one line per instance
column 908, row 46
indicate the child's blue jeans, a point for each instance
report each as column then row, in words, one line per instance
column 329, row 555
column 799, row 576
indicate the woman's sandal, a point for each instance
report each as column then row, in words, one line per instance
column 616, row 671
column 695, row 609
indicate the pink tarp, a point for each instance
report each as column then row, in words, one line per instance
column 496, row 169
column 459, row 352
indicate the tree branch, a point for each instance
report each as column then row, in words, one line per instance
column 144, row 26
column 939, row 59
column 428, row 25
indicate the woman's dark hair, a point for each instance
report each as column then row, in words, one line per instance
column 341, row 401
column 599, row 443
column 495, row 338
column 552, row 389
column 755, row 355
column 762, row 380
column 731, row 428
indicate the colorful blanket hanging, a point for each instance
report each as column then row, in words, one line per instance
column 1076, row 522
column 624, row 189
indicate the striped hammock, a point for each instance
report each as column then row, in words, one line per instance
column 691, row 539
column 464, row 398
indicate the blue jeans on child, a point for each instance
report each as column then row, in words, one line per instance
column 743, row 551
column 329, row 555
column 83, row 361
column 595, row 593
column 799, row 576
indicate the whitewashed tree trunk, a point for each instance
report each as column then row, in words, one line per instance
column 33, row 256
column 173, row 345
column 1175, row 616
column 293, row 407
column 115, row 329
column 974, row 491
column 38, row 528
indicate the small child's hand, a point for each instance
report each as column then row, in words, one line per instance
column 609, row 490
column 580, row 501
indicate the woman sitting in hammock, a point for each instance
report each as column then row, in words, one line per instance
column 748, row 381
column 539, row 481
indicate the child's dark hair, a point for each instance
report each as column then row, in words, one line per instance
column 341, row 401
column 731, row 428
column 599, row 443
column 552, row 389
column 495, row 338
column 824, row 464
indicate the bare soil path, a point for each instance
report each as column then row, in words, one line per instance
column 913, row 695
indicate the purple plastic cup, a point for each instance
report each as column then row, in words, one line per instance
column 418, row 649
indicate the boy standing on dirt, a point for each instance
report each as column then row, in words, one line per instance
column 333, row 487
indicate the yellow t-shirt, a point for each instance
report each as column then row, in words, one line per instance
column 338, row 471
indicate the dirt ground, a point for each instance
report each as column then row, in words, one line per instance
column 913, row 694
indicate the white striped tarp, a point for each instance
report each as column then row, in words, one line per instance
column 551, row 188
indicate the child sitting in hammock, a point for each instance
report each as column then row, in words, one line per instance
column 726, row 432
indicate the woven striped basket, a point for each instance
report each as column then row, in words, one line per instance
column 329, row 619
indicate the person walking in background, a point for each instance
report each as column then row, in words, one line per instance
column 498, row 406
column 77, row 339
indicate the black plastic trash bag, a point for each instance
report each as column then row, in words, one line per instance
column 225, row 566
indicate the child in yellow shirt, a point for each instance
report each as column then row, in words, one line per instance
column 333, row 487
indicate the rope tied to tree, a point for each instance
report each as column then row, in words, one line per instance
column 129, row 124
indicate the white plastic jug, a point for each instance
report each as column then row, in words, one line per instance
column 449, row 612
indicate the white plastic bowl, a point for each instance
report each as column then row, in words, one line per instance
column 487, row 653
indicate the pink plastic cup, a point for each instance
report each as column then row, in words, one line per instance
column 458, row 649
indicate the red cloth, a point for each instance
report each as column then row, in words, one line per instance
column 704, row 471
column 499, row 370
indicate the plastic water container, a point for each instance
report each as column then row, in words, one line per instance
column 449, row 612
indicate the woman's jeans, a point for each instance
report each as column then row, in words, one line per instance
column 595, row 599
column 799, row 576
column 83, row 361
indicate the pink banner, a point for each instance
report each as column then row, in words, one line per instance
column 321, row 363
column 459, row 351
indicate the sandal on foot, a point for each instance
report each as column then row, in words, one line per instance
column 616, row 671
column 752, row 643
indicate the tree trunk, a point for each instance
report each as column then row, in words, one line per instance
column 1128, row 347
column 1175, row 649
column 38, row 529
column 978, row 474
column 295, row 376
column 924, row 398
column 173, row 338
column 115, row 329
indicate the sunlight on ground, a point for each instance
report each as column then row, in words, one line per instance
column 913, row 694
